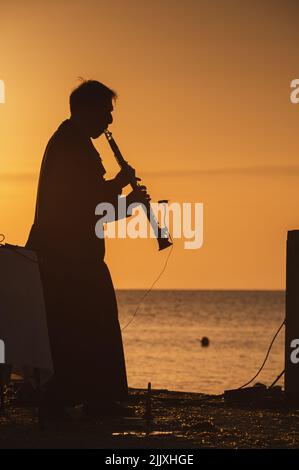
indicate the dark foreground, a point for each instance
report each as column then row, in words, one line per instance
column 180, row 420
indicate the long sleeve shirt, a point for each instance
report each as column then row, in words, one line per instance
column 71, row 184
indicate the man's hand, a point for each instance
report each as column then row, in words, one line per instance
column 125, row 176
column 138, row 196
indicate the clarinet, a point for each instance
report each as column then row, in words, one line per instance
column 162, row 234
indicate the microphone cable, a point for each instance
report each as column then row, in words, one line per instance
column 157, row 278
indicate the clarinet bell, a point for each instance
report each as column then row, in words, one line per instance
column 163, row 243
column 163, row 239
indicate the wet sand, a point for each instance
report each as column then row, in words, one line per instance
column 179, row 420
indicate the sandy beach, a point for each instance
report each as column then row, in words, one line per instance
column 180, row 420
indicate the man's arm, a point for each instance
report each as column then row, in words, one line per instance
column 111, row 190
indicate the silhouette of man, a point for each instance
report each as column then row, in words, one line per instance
column 80, row 300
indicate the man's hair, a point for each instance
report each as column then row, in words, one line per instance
column 89, row 94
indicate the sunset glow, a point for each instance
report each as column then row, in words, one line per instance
column 203, row 114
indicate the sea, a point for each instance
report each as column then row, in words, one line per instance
column 162, row 335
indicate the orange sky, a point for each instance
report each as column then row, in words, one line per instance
column 203, row 114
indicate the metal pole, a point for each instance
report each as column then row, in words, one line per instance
column 292, row 318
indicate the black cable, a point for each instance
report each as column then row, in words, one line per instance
column 277, row 378
column 149, row 290
column 267, row 355
column 156, row 280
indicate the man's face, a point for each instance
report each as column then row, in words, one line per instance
column 99, row 119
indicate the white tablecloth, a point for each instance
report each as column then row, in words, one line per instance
column 23, row 323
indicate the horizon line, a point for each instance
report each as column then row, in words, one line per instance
column 32, row 176
column 200, row 289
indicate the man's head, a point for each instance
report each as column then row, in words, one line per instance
column 91, row 105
